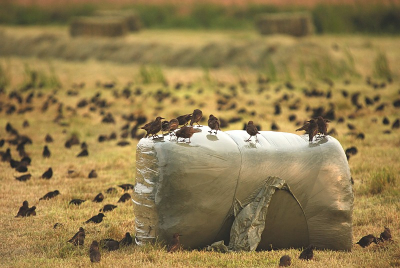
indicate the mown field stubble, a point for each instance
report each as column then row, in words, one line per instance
column 233, row 94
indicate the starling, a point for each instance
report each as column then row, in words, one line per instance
column 84, row 152
column 84, row 145
column 79, row 238
column 26, row 161
column 173, row 124
column 184, row 119
column 47, row 174
column 48, row 138
column 213, row 123
column 31, row 212
column 98, row 198
column 175, row 244
column 311, row 128
column 252, row 130
column 165, row 126
column 124, row 198
column 96, row 219
column 322, row 125
column 108, row 207
column 365, row 241
column 111, row 190
column 21, row 168
column 6, row 156
column 185, row 132
column 126, row 186
column 153, row 127
column 127, row 240
column 92, row 174
column 76, row 202
column 386, row 235
column 94, row 252
column 285, row 261
column 308, row 253
column 24, row 177
column 50, row 195
column 46, row 152
column 109, row 244
column 196, row 117
column 22, row 210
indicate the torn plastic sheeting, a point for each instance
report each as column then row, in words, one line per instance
column 194, row 186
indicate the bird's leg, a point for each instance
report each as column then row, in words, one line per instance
column 189, row 140
column 210, row 131
column 248, row 138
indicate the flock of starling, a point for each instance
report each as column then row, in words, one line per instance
column 182, row 128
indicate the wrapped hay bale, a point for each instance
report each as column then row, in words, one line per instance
column 296, row 24
column 282, row 191
column 131, row 17
column 98, row 26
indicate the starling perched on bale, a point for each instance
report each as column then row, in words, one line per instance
column 365, row 241
column 47, row 174
column 79, row 238
column 307, row 254
column 185, row 132
column 252, row 130
column 153, row 127
column 175, row 244
column 94, row 252
column 322, row 125
column 213, row 123
column 184, row 119
column 311, row 128
column 386, row 235
column 173, row 125
column 164, row 127
column 50, row 195
column 285, row 261
column 22, row 210
column 196, row 117
column 96, row 219
column 127, row 240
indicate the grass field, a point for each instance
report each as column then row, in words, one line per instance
column 150, row 90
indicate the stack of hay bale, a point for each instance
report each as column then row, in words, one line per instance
column 106, row 23
column 296, row 24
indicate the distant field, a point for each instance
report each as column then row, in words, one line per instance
column 142, row 89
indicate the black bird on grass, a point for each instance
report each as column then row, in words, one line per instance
column 127, row 240
column 31, row 212
column 153, row 127
column 213, row 123
column 124, row 198
column 96, row 219
column 111, row 190
column 50, row 195
column 21, row 168
column 48, row 138
column 308, row 253
column 6, row 156
column 76, row 202
column 46, row 152
column 108, row 207
column 175, row 243
column 92, row 174
column 185, row 132
column 47, row 174
column 24, row 177
column 126, row 186
column 184, row 119
column 98, row 198
column 365, row 241
column 386, row 235
column 79, row 238
column 94, row 252
column 252, row 130
column 84, row 152
column 285, row 261
column 196, row 117
column 109, row 244
column 22, row 210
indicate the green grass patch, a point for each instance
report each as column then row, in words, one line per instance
column 382, row 180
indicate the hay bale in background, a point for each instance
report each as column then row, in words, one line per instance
column 98, row 26
column 296, row 24
column 131, row 17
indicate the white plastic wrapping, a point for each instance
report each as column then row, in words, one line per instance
column 194, row 189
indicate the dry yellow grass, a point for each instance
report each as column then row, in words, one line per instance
column 32, row 242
